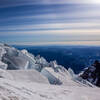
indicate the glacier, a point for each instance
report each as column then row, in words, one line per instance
column 24, row 76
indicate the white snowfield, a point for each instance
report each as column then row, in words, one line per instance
column 12, row 90
column 26, row 77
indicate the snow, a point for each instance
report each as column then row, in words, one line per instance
column 5, row 75
column 11, row 90
column 33, row 78
column 3, row 65
column 28, row 76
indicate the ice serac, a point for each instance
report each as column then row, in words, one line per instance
column 37, row 62
column 47, row 72
column 58, row 75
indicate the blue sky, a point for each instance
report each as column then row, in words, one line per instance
column 40, row 22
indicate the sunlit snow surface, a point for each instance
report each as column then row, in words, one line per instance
column 11, row 90
column 26, row 77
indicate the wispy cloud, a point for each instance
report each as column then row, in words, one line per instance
column 56, row 14
column 86, row 43
column 73, row 32
column 12, row 3
column 53, row 26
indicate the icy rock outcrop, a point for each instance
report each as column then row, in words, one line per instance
column 90, row 75
column 79, row 79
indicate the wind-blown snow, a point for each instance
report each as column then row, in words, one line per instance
column 26, row 77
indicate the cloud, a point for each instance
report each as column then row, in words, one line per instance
column 72, row 32
column 53, row 26
column 88, row 43
column 58, row 13
column 39, row 20
column 12, row 3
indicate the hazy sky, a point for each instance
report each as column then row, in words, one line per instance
column 50, row 22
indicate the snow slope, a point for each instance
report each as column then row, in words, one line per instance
column 11, row 90
column 26, row 77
